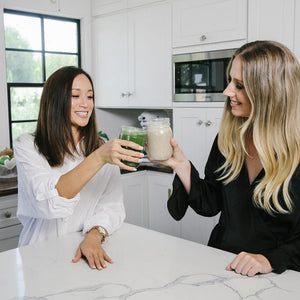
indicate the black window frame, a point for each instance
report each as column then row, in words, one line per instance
column 43, row 52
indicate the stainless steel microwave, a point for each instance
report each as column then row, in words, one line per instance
column 200, row 76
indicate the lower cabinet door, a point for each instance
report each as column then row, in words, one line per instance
column 160, row 189
column 135, row 198
column 197, row 228
column 9, row 237
column 146, row 194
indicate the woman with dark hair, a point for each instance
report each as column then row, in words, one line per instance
column 252, row 176
column 68, row 178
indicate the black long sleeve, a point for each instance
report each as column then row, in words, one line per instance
column 242, row 226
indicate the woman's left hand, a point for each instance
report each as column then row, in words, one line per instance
column 250, row 264
column 91, row 248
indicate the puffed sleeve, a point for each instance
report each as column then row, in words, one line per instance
column 287, row 254
column 109, row 211
column 38, row 197
column 205, row 196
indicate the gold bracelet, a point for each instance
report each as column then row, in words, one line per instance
column 100, row 230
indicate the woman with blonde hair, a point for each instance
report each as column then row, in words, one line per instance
column 252, row 175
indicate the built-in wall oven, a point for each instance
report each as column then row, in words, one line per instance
column 200, row 76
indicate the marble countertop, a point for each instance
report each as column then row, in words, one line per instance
column 147, row 265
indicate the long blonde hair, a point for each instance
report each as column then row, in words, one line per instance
column 271, row 76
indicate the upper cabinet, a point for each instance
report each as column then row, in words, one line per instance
column 101, row 7
column 272, row 20
column 197, row 22
column 133, row 58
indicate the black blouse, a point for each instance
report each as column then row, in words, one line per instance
column 242, row 226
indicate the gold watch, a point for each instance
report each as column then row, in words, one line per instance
column 101, row 230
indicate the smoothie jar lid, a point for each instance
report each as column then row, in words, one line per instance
column 159, row 122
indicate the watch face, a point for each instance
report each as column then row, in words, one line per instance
column 102, row 231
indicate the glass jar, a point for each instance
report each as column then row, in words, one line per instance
column 159, row 134
column 136, row 135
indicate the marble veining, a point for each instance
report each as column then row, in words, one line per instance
column 256, row 288
column 167, row 269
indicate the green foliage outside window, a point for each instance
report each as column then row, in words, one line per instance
column 28, row 66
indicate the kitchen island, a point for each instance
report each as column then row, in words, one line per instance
column 147, row 265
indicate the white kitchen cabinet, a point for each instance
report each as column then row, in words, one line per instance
column 10, row 226
column 133, row 58
column 195, row 130
column 101, row 7
column 66, row 7
column 272, row 20
column 136, row 198
column 199, row 22
column 159, row 191
column 145, row 198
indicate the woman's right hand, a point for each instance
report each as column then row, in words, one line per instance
column 113, row 152
column 180, row 164
column 178, row 160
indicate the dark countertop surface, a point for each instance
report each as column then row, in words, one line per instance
column 8, row 187
column 146, row 165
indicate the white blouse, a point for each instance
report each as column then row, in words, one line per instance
column 44, row 214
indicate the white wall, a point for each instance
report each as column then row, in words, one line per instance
column 78, row 9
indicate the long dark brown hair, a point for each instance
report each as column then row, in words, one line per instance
column 53, row 135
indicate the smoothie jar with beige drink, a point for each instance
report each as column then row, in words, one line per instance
column 159, row 134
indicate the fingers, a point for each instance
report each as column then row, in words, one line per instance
column 174, row 143
column 117, row 151
column 97, row 260
column 248, row 264
column 77, row 256
column 129, row 144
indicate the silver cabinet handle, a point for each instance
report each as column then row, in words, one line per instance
column 203, row 38
column 127, row 94
column 200, row 122
column 208, row 123
column 7, row 214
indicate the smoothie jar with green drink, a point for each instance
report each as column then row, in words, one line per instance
column 136, row 135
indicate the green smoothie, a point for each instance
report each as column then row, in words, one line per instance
column 136, row 135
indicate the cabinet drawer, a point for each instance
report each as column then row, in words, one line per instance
column 8, row 210
column 8, row 244
column 8, row 216
column 10, row 232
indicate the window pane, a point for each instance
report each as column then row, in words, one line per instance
column 56, row 61
column 22, row 32
column 24, row 67
column 60, row 36
column 25, row 103
column 20, row 128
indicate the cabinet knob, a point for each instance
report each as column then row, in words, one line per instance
column 200, row 122
column 127, row 94
column 7, row 214
column 203, row 38
column 208, row 123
